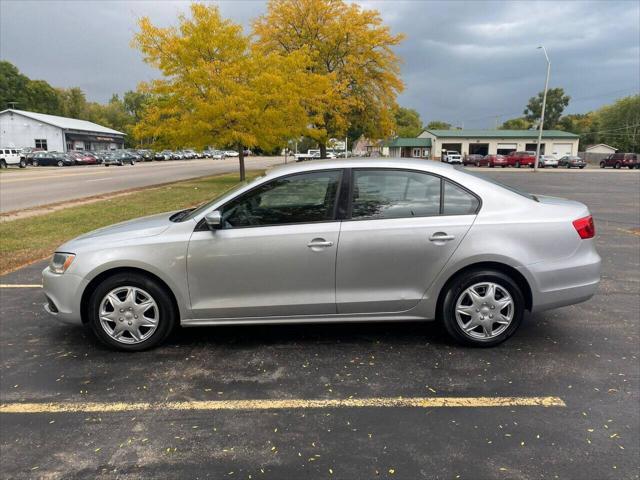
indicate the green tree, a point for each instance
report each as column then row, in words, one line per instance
column 556, row 103
column 220, row 89
column 73, row 103
column 619, row 124
column 438, row 125
column 352, row 49
column 13, row 87
column 408, row 122
column 516, row 124
column 583, row 124
column 42, row 97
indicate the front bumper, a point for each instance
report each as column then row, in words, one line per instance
column 63, row 293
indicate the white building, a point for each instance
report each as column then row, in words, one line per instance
column 21, row 129
column 492, row 142
column 601, row 148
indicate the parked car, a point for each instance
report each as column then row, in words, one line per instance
column 415, row 240
column 521, row 159
column 164, row 155
column 177, row 155
column 619, row 160
column 451, row 156
column 548, row 161
column 102, row 155
column 83, row 158
column 231, row 153
column 119, row 157
column 496, row 161
column 475, row 159
column 217, row 154
column 11, row 156
column 189, row 154
column 570, row 161
column 53, row 158
column 247, row 152
column 147, row 155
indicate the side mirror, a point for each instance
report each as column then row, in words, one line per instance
column 213, row 220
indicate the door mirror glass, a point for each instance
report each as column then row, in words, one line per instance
column 213, row 220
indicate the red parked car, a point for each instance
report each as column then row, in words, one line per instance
column 474, row 159
column 619, row 160
column 84, row 158
column 520, row 159
column 496, row 161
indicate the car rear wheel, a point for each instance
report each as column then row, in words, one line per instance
column 482, row 308
column 60, row 163
column 131, row 312
column 3, row 164
column 35, row 163
column 23, row 163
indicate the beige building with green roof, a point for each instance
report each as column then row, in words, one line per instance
column 491, row 142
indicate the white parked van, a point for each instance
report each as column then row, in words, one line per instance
column 11, row 156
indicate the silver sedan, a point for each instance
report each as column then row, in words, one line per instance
column 333, row 241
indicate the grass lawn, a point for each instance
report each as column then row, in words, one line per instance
column 29, row 239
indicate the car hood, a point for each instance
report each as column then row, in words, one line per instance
column 138, row 228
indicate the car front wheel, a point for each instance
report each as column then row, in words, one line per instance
column 131, row 312
column 60, row 163
column 482, row 308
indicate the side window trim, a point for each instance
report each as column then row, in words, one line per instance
column 201, row 226
column 442, row 183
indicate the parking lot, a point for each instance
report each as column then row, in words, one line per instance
column 349, row 401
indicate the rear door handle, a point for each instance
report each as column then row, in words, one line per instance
column 441, row 237
column 319, row 243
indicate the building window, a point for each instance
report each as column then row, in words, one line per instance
column 41, row 143
column 416, row 153
column 425, row 152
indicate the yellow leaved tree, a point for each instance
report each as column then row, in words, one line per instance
column 217, row 88
column 352, row 49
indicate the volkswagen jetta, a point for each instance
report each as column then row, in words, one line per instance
column 333, row 241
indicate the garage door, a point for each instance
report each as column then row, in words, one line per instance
column 561, row 149
column 507, row 146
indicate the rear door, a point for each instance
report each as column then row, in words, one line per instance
column 402, row 228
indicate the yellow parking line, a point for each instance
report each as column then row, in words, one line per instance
column 287, row 404
column 19, row 285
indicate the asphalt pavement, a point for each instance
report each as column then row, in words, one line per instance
column 35, row 186
column 585, row 355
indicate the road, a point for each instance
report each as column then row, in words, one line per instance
column 586, row 355
column 34, row 187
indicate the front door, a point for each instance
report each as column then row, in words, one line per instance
column 274, row 255
column 401, row 233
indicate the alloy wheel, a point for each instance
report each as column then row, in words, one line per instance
column 129, row 315
column 484, row 310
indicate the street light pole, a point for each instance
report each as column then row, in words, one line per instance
column 544, row 104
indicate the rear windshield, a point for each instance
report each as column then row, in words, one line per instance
column 489, row 179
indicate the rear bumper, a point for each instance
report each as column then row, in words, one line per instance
column 565, row 281
column 63, row 293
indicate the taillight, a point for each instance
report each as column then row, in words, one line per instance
column 585, row 227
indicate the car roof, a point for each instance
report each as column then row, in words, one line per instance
column 401, row 163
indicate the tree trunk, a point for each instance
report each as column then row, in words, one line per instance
column 241, row 159
column 323, row 150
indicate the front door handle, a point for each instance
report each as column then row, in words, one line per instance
column 441, row 237
column 319, row 243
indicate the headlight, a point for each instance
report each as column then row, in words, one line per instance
column 60, row 262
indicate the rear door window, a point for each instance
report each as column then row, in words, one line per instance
column 458, row 201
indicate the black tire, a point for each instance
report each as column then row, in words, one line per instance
column 617, row 165
column 602, row 164
column 167, row 319
column 459, row 284
column 3, row 164
column 569, row 166
column 23, row 163
column 35, row 163
column 581, row 167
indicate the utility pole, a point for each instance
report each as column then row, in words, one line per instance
column 544, row 104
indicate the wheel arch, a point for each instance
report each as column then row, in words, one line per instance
column 84, row 301
column 508, row 270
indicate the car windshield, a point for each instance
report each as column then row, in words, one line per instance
column 487, row 178
column 191, row 213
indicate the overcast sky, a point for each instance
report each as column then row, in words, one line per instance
column 466, row 62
